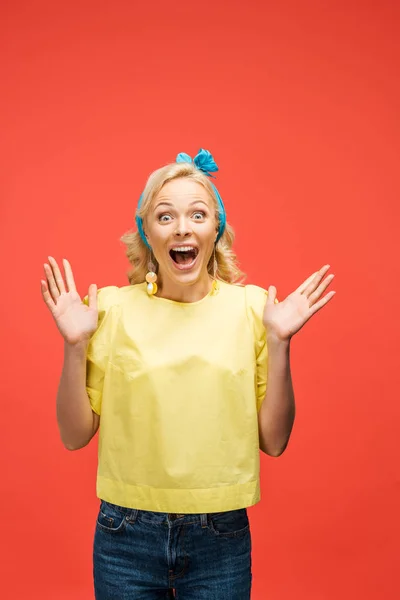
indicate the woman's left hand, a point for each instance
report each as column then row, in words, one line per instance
column 282, row 320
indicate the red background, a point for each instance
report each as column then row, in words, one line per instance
column 299, row 103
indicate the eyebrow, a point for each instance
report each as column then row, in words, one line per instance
column 165, row 203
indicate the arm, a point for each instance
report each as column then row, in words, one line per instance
column 77, row 422
column 282, row 321
column 277, row 413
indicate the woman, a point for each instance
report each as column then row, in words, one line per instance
column 175, row 365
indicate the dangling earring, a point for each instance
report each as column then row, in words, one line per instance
column 215, row 284
column 151, row 278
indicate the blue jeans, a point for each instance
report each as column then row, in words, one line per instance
column 143, row 555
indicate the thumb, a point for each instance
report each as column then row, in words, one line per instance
column 92, row 296
column 272, row 295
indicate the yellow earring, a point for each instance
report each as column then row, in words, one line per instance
column 151, row 278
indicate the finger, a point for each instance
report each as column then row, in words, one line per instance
column 320, row 289
column 311, row 287
column 321, row 303
column 305, row 283
column 69, row 277
column 47, row 296
column 51, row 283
column 57, row 275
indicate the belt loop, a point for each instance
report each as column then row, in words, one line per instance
column 204, row 520
column 132, row 516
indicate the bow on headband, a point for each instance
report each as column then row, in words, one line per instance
column 205, row 162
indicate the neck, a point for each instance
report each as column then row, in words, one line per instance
column 185, row 293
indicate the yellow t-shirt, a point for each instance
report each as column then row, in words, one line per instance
column 178, row 387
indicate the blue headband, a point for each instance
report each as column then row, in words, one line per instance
column 204, row 161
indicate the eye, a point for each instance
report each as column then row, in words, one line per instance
column 198, row 215
column 164, row 218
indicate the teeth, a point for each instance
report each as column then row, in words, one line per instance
column 183, row 249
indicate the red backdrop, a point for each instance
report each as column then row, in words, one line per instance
column 298, row 102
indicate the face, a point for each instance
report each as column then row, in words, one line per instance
column 181, row 229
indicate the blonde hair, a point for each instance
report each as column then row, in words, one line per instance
column 139, row 255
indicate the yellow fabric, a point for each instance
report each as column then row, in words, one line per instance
column 178, row 387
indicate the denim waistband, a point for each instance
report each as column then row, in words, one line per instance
column 160, row 517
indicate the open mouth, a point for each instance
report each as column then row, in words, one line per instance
column 184, row 257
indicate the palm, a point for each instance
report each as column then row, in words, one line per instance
column 75, row 320
column 286, row 318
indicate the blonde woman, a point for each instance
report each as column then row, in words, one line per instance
column 188, row 373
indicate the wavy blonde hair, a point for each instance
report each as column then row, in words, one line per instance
column 139, row 255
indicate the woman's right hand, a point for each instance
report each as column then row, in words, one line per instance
column 75, row 321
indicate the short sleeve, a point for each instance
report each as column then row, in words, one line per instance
column 99, row 345
column 256, row 298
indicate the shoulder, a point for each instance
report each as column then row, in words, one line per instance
column 112, row 296
column 253, row 296
column 249, row 299
column 136, row 293
column 107, row 297
column 256, row 298
column 127, row 291
column 252, row 299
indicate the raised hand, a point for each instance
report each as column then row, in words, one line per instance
column 286, row 318
column 75, row 321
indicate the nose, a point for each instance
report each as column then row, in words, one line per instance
column 183, row 228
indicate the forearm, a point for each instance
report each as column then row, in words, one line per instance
column 277, row 412
column 74, row 413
